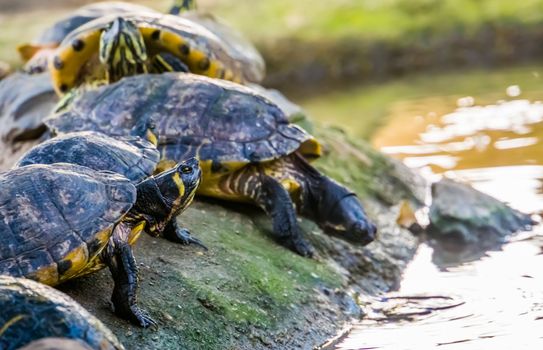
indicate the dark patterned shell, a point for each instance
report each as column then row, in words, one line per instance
column 31, row 310
column 25, row 100
column 240, row 48
column 54, row 219
column 130, row 156
column 218, row 120
column 58, row 31
column 234, row 54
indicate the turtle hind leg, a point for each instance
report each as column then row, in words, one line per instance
column 274, row 199
column 119, row 257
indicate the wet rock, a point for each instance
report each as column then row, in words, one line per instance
column 461, row 215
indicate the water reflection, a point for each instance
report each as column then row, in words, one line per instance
column 495, row 303
column 472, row 298
column 495, row 147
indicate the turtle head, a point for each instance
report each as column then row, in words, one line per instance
column 122, row 49
column 339, row 212
column 178, row 185
column 180, row 6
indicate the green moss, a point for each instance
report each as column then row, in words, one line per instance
column 350, row 161
column 254, row 281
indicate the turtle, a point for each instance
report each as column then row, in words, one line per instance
column 37, row 53
column 25, row 100
column 111, row 47
column 61, row 221
column 130, row 156
column 32, row 311
column 248, row 150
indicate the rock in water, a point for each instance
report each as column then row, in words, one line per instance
column 459, row 214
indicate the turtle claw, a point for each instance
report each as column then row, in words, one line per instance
column 301, row 246
column 184, row 237
column 142, row 318
column 134, row 314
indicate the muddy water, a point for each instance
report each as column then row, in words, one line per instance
column 490, row 136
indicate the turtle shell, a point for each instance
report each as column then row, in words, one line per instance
column 24, row 101
column 200, row 49
column 190, row 115
column 56, row 219
column 243, row 51
column 53, row 36
column 130, row 156
column 33, row 311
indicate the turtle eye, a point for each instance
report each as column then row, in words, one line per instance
column 186, row 169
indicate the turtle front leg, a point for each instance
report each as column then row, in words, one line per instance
column 274, row 199
column 118, row 256
column 174, row 233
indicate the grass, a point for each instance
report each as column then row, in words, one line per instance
column 373, row 19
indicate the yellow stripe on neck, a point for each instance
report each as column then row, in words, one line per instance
column 179, row 183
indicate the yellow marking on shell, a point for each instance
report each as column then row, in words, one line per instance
column 103, row 237
column 311, row 148
column 94, row 262
column 179, row 183
column 10, row 323
column 73, row 61
column 79, row 257
column 171, row 42
column 136, row 232
column 151, row 137
column 46, row 275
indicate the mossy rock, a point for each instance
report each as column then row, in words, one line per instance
column 248, row 292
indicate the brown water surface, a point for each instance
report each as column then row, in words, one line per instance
column 490, row 135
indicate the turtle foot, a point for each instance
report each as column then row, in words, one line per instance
column 136, row 315
column 301, row 247
column 141, row 318
column 183, row 236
